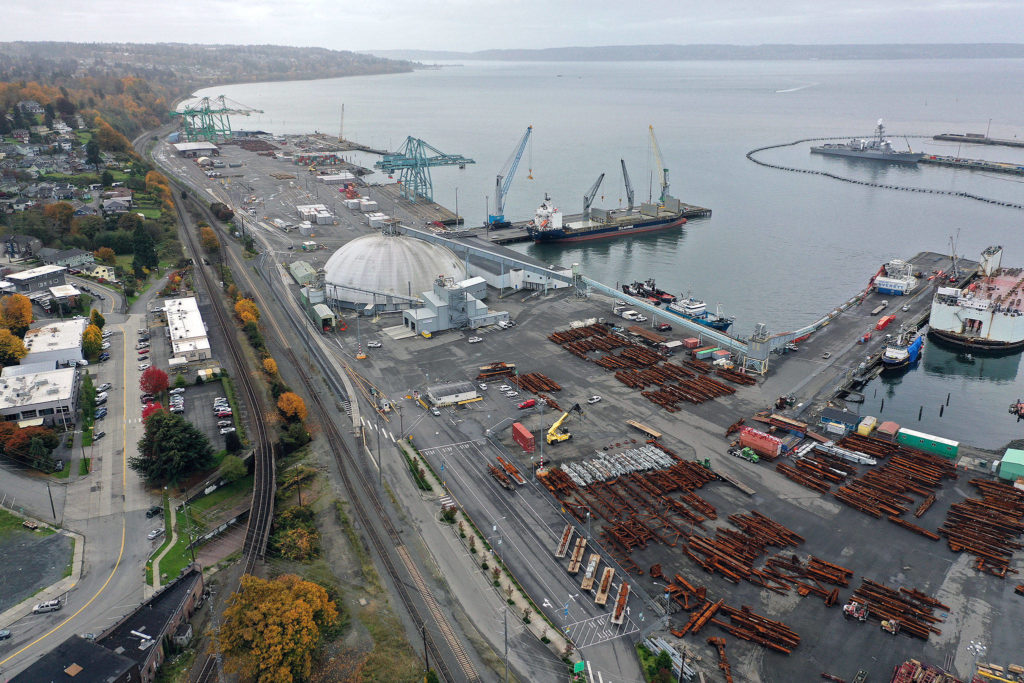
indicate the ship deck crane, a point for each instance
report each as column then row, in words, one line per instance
column 662, row 171
column 207, row 119
column 505, row 176
column 413, row 161
column 588, row 198
column 629, row 185
column 556, row 433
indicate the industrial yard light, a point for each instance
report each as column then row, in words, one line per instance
column 977, row 650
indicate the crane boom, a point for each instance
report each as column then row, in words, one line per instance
column 505, row 176
column 588, row 198
column 556, row 433
column 629, row 185
column 662, row 171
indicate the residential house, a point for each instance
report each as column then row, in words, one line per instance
column 30, row 107
column 64, row 191
column 22, row 246
column 69, row 258
column 41, row 131
column 20, row 134
column 103, row 272
column 117, row 205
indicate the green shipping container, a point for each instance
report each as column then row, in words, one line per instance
column 928, row 443
column 1012, row 466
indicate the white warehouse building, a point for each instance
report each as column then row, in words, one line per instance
column 186, row 329
column 57, row 343
column 48, row 398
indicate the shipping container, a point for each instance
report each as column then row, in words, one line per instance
column 703, row 348
column 1012, row 465
column 887, row 430
column 928, row 443
column 867, row 425
column 762, row 443
column 705, row 353
column 522, row 436
column 691, row 342
column 884, row 321
column 721, row 353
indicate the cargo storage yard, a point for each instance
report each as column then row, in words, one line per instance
column 657, row 480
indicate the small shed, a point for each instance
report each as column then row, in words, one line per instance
column 451, row 393
column 839, row 421
column 1012, row 466
column 324, row 316
column 888, row 430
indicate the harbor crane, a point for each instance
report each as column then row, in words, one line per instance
column 504, row 181
column 207, row 119
column 588, row 198
column 556, row 434
column 629, row 185
column 662, row 171
column 413, row 161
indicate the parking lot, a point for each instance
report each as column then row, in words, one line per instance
column 199, row 410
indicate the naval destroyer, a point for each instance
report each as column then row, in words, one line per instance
column 876, row 149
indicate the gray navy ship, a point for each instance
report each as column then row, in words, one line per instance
column 876, row 148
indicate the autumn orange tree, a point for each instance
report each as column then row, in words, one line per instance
column 12, row 348
column 247, row 311
column 209, row 239
column 61, row 214
column 272, row 628
column 92, row 340
column 16, row 313
column 292, row 406
column 270, row 366
column 106, row 255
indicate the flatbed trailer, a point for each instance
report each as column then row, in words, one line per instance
column 619, row 613
column 644, row 428
column 605, row 587
column 577, row 555
column 591, row 573
column 563, row 545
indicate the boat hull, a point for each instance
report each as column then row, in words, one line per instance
column 563, row 236
column 720, row 325
column 894, row 157
column 976, row 344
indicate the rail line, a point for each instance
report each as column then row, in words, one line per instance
column 902, row 188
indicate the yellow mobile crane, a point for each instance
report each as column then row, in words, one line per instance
column 556, row 433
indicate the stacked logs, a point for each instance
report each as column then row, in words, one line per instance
column 535, row 382
column 500, row 477
column 987, row 527
column 883, row 491
column 736, row 377
column 913, row 610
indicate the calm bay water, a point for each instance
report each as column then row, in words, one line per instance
column 781, row 248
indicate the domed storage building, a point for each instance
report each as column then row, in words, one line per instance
column 386, row 272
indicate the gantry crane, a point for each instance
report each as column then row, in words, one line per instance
column 662, row 171
column 588, row 198
column 629, row 185
column 504, row 181
column 207, row 119
column 413, row 161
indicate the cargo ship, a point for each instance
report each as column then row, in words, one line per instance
column 987, row 314
column 875, row 149
column 903, row 351
column 548, row 224
column 697, row 311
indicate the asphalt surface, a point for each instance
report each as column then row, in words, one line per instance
column 31, row 561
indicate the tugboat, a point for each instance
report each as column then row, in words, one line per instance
column 1018, row 409
column 648, row 290
column 904, row 351
column 697, row 311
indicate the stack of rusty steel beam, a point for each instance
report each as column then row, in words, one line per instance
column 736, row 377
column 925, row 504
column 698, row 365
column 884, row 491
column 696, row 390
column 684, row 593
column 913, row 527
column 552, row 403
column 987, row 527
column 500, row 477
column 535, row 382
column 723, row 660
column 783, row 571
column 578, row 333
column 733, row 554
column 803, row 477
column 869, row 445
column 747, row 625
column 913, row 610
column 766, row 529
column 557, row 481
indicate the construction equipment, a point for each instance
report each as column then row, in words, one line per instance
column 746, row 453
column 504, row 182
column 891, row 626
column 207, row 119
column 723, row 660
column 855, row 610
column 413, row 161
column 629, row 185
column 661, row 170
column 556, row 434
column 588, row 198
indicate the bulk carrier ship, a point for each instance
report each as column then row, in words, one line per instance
column 987, row 314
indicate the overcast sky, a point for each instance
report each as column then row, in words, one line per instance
column 483, row 24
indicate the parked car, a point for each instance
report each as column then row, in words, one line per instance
column 435, row 412
column 83, row 363
column 155, row 533
column 145, row 357
column 664, row 327
column 154, row 511
column 48, row 606
column 475, row 340
column 224, row 413
column 107, row 334
column 594, row 399
column 106, row 386
column 177, row 390
column 512, row 394
column 483, row 387
column 374, row 345
column 528, row 403
column 144, row 366
column 101, row 413
column 104, row 356
column 226, row 430
column 147, row 398
column 505, row 387
column 101, row 395
column 225, row 423
column 105, row 345
column 144, row 350
column 5, row 633
column 98, row 435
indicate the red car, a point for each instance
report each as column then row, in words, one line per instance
column 224, row 413
column 142, row 351
column 529, row 403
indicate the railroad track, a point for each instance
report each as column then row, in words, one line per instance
column 261, row 512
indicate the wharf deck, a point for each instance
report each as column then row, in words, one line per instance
column 975, row 164
column 977, row 139
column 421, row 212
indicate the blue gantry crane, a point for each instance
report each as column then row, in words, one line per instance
column 413, row 161
column 504, row 182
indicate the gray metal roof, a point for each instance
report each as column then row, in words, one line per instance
column 389, row 264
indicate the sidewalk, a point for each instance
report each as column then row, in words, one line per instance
column 170, row 544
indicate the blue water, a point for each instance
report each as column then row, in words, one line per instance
column 781, row 248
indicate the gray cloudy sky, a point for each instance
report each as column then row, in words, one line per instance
column 482, row 24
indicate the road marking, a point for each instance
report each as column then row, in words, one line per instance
column 388, row 434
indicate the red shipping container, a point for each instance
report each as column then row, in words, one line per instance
column 762, row 443
column 703, row 348
column 522, row 436
column 884, row 321
column 691, row 342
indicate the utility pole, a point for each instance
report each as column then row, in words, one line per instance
column 506, row 643
column 426, row 653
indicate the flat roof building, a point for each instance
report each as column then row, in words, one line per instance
column 51, row 396
column 81, row 661
column 451, row 393
column 186, row 328
column 58, row 342
column 196, row 149
column 37, row 279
